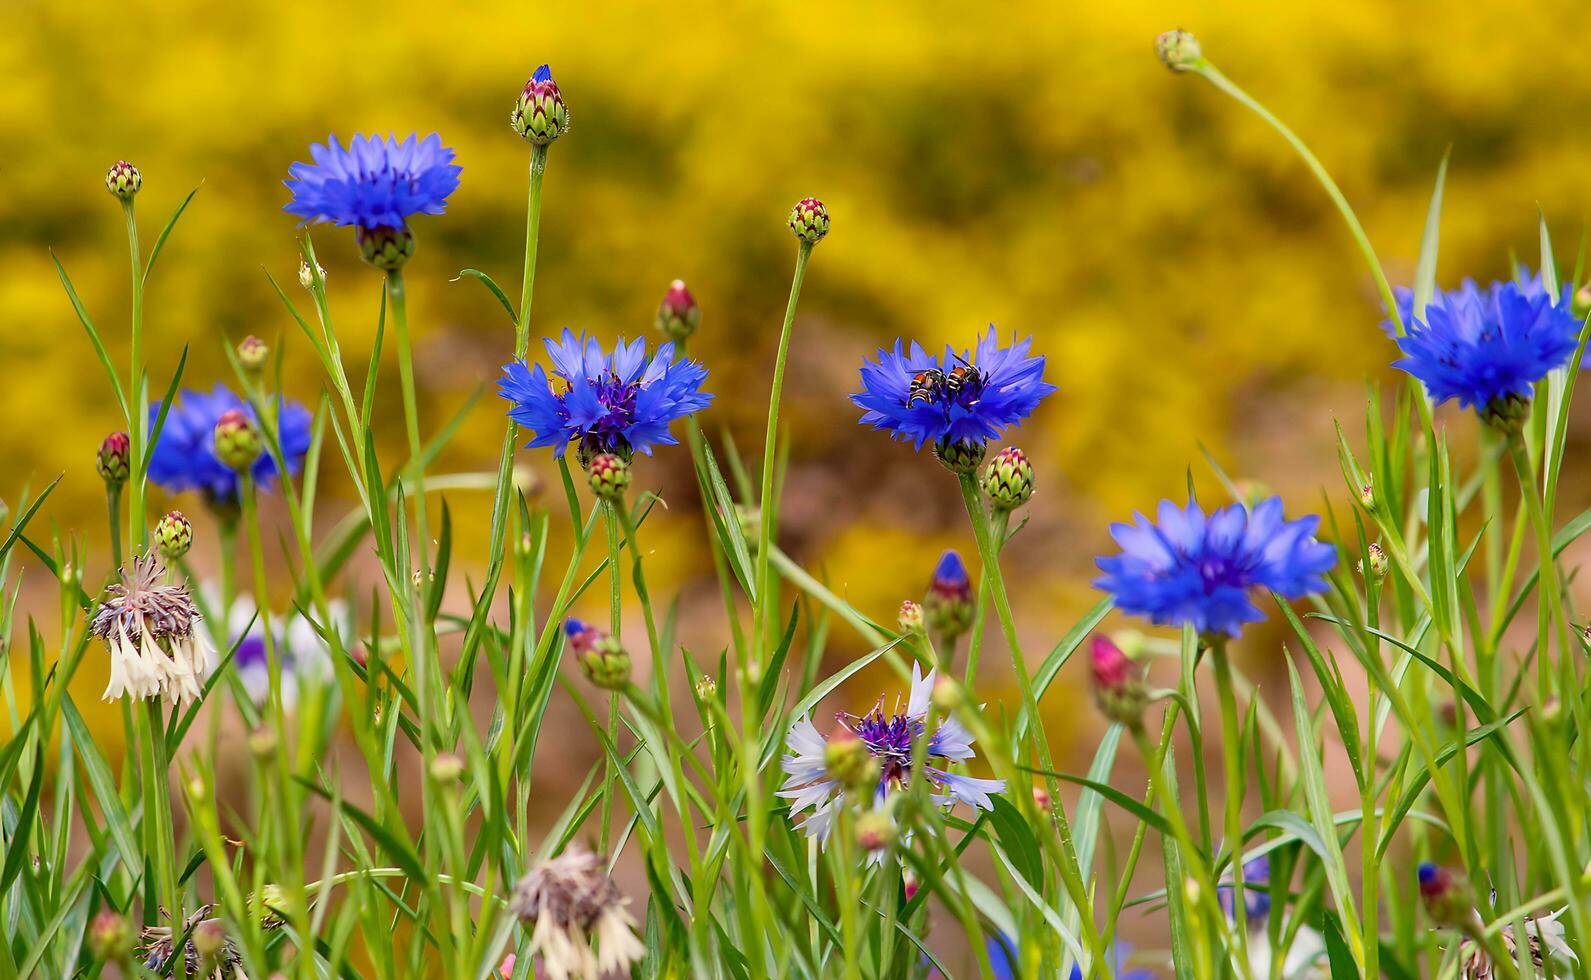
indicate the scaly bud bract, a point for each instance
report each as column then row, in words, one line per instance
column 1179, row 50
column 1449, row 898
column 237, row 442
column 1008, row 479
column 174, row 535
column 947, row 606
column 123, row 180
column 540, row 115
column 961, row 455
column 609, row 476
column 809, row 219
column 386, row 248
column 113, row 461
column 678, row 316
column 600, row 655
column 1118, row 684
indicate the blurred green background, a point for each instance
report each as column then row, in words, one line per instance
column 1029, row 164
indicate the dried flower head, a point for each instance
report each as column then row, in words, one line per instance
column 569, row 903
column 209, row 951
column 151, row 631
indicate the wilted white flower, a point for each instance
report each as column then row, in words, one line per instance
column 569, row 902
column 1546, row 937
column 151, row 631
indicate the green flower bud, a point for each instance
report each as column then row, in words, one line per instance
column 113, row 462
column 540, row 115
column 386, row 248
column 173, row 535
column 1008, row 479
column 848, row 762
column 123, row 180
column 961, row 456
column 237, row 442
column 270, row 904
column 600, row 654
column 1507, row 414
column 678, row 316
column 1179, row 50
column 609, row 476
column 253, row 353
column 947, row 606
column 911, row 617
column 809, row 219
column 446, row 768
column 111, row 938
column 875, row 830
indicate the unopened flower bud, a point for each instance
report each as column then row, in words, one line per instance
column 947, row 607
column 540, row 115
column 173, row 535
column 1041, row 799
column 386, row 248
column 706, row 688
column 446, row 768
column 306, row 275
column 911, row 886
column 1367, row 494
column 948, row 694
column 111, row 938
column 270, row 904
column 600, row 654
column 960, row 456
column 123, row 180
column 237, row 442
column 263, row 742
column 609, row 476
column 1118, row 684
column 253, row 353
column 1377, row 569
column 809, row 219
column 1507, row 414
column 113, row 461
column 209, row 941
column 1449, row 898
column 847, row 761
column 911, row 617
column 1552, row 712
column 679, row 316
column 1179, row 50
column 875, row 830
column 1008, row 479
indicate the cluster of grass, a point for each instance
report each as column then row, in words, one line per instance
column 383, row 827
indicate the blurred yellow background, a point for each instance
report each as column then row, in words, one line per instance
column 1029, row 164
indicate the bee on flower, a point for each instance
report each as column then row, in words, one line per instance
column 152, row 630
column 887, row 739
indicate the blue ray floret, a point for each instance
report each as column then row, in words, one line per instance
column 1188, row 568
column 184, row 456
column 888, row 738
column 1483, row 347
column 918, row 398
column 374, row 182
column 620, row 402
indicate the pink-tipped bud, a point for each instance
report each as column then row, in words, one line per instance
column 253, row 353
column 123, row 180
column 1041, row 799
column 809, row 219
column 237, row 441
column 1449, row 899
column 678, row 316
column 113, row 461
column 540, row 115
column 1118, row 683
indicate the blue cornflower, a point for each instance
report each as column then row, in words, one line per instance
column 1530, row 284
column 373, row 182
column 184, row 456
column 1482, row 348
column 1188, row 568
column 620, row 403
column 967, row 397
column 1256, row 901
column 888, row 738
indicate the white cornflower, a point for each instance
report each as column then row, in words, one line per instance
column 153, row 635
column 570, row 902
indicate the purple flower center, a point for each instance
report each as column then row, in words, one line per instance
column 889, row 739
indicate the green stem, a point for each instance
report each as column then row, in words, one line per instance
column 1002, row 519
column 138, row 414
column 1071, row 873
column 159, row 833
column 1551, row 612
column 113, row 507
column 615, row 610
column 411, row 412
column 1232, row 756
